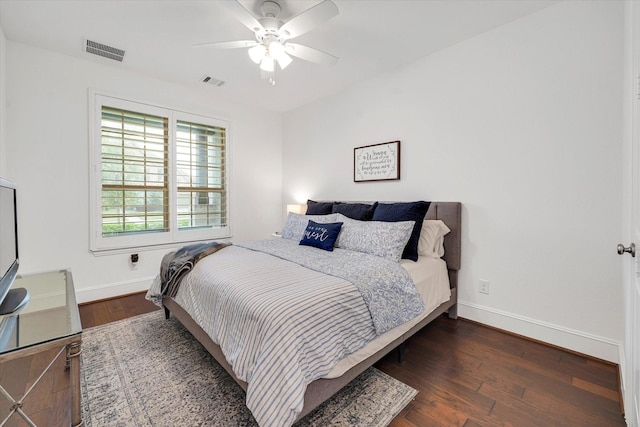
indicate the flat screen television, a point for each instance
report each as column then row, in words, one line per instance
column 8, row 237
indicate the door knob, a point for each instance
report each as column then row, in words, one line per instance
column 631, row 249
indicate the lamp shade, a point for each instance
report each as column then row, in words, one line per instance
column 267, row 64
column 277, row 52
column 257, row 53
column 299, row 209
column 284, row 60
column 276, row 49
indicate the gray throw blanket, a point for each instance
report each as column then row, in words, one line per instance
column 178, row 263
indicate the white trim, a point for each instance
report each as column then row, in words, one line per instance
column 571, row 339
column 622, row 362
column 631, row 162
column 111, row 290
column 165, row 247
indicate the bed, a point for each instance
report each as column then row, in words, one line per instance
column 190, row 308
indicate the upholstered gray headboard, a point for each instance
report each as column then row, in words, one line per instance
column 450, row 214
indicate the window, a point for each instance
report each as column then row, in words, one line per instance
column 135, row 188
column 160, row 176
column 200, row 163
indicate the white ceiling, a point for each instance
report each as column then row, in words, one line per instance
column 370, row 37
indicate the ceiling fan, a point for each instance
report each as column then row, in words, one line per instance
column 272, row 35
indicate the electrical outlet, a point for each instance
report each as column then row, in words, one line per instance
column 133, row 261
column 484, row 287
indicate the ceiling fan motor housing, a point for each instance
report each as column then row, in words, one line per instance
column 271, row 27
column 270, row 9
column 270, row 31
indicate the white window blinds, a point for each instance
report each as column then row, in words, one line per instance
column 135, row 193
column 160, row 176
column 200, row 164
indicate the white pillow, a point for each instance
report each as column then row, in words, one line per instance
column 380, row 238
column 296, row 224
column 431, row 242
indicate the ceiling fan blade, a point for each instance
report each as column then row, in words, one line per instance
column 228, row 45
column 308, row 19
column 310, row 54
column 241, row 14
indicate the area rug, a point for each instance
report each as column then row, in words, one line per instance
column 148, row 371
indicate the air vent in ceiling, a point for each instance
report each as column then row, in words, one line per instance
column 104, row 50
column 212, row 81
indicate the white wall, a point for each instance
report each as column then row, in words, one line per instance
column 47, row 151
column 523, row 125
column 3, row 59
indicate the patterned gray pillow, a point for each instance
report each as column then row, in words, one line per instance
column 296, row 224
column 380, row 238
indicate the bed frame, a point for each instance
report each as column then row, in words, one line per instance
column 322, row 389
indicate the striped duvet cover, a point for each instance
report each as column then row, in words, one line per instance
column 282, row 325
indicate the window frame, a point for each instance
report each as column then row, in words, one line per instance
column 174, row 236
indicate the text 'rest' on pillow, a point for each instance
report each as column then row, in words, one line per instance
column 322, row 236
column 296, row 223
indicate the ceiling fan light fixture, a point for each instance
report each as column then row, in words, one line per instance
column 267, row 64
column 276, row 49
column 257, row 53
column 284, row 60
column 272, row 34
column 277, row 52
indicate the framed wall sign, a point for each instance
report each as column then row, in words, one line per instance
column 378, row 162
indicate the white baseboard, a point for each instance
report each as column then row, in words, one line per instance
column 571, row 339
column 112, row 290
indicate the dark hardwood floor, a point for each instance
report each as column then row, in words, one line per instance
column 110, row 310
column 471, row 375
column 466, row 375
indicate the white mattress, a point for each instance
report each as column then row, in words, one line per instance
column 432, row 280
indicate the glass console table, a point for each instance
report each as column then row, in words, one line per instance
column 50, row 321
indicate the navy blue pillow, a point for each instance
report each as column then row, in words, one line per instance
column 318, row 208
column 359, row 211
column 321, row 236
column 411, row 211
